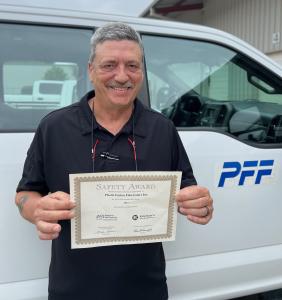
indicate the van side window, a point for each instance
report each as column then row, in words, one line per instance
column 42, row 68
column 198, row 84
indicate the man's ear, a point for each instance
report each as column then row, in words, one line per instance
column 90, row 68
column 90, row 71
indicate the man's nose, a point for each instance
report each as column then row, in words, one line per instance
column 121, row 74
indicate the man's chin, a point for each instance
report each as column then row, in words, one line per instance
column 122, row 104
column 122, row 101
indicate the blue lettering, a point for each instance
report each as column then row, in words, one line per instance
column 224, row 175
column 237, row 169
column 264, row 172
column 247, row 173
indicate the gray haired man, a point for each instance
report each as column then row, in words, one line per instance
column 70, row 140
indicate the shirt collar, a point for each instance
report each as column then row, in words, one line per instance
column 85, row 117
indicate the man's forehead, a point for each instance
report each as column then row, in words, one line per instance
column 111, row 49
column 119, row 43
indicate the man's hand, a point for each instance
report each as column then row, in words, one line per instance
column 195, row 203
column 45, row 212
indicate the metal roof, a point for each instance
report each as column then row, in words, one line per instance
column 168, row 8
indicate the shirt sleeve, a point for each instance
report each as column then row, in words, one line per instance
column 182, row 163
column 33, row 171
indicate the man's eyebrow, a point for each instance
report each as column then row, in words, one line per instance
column 110, row 60
column 133, row 61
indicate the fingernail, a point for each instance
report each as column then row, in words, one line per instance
column 57, row 228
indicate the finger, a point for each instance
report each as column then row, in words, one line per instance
column 195, row 203
column 54, row 215
column 199, row 220
column 198, row 212
column 60, row 195
column 47, row 236
column 51, row 203
column 47, row 227
column 192, row 192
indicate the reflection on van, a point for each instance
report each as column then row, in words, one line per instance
column 49, row 94
column 202, row 84
column 38, row 79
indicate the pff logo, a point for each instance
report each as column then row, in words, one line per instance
column 238, row 172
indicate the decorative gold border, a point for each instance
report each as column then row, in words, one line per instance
column 116, row 240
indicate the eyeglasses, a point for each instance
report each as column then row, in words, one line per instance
column 108, row 155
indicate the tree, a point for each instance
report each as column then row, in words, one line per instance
column 55, row 73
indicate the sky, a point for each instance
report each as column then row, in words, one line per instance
column 120, row 7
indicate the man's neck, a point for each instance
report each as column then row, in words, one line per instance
column 114, row 118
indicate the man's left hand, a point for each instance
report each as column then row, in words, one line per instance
column 195, row 203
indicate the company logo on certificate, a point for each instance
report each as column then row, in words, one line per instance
column 118, row 208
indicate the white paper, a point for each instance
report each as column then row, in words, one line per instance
column 118, row 208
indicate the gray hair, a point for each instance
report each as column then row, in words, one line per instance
column 114, row 32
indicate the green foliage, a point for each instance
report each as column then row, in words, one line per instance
column 55, row 73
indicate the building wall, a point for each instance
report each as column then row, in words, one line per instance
column 259, row 22
column 193, row 16
column 277, row 56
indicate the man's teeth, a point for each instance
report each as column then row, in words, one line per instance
column 120, row 89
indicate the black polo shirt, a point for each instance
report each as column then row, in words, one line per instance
column 62, row 145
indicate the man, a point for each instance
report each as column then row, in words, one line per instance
column 81, row 138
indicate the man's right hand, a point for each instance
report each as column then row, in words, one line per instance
column 45, row 212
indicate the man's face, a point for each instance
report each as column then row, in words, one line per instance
column 117, row 73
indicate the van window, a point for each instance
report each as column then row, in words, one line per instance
column 200, row 84
column 42, row 68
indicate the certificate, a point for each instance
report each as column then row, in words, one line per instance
column 117, row 208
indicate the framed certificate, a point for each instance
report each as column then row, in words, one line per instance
column 117, row 208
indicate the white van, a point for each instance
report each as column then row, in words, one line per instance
column 224, row 96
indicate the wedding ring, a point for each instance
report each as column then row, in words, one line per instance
column 208, row 211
